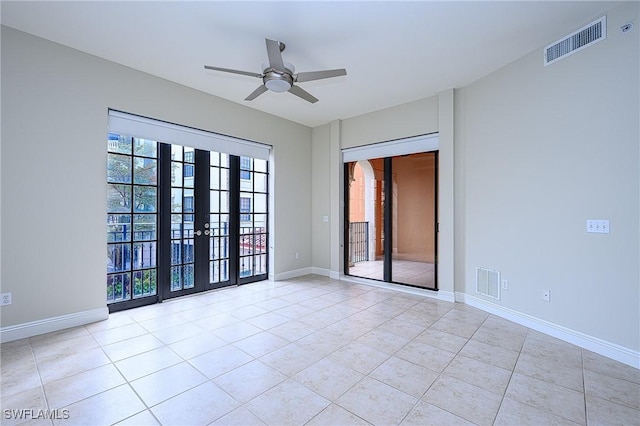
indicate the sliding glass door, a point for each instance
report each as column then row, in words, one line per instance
column 391, row 219
column 178, row 222
column 413, row 219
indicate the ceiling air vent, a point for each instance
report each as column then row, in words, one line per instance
column 577, row 40
column 488, row 282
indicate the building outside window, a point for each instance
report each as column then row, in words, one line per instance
column 245, row 167
column 245, row 209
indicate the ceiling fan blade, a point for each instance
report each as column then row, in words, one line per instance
column 301, row 93
column 259, row 91
column 275, row 56
column 319, row 75
column 250, row 74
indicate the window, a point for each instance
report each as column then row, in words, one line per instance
column 188, row 204
column 245, row 209
column 245, row 167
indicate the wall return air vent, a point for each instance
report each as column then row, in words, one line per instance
column 577, row 40
column 488, row 282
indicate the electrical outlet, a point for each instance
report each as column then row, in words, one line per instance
column 546, row 295
column 505, row 285
column 297, row 255
column 5, row 299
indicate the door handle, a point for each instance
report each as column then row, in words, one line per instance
column 198, row 233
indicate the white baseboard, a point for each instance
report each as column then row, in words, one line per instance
column 287, row 275
column 325, row 272
column 48, row 325
column 594, row 344
column 321, row 271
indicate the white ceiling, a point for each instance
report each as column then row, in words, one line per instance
column 394, row 52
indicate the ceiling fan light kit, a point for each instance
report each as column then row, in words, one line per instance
column 277, row 81
column 279, row 76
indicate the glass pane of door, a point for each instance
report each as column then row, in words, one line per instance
column 366, row 219
column 132, row 219
column 182, row 237
column 253, row 213
column 219, row 226
column 414, row 219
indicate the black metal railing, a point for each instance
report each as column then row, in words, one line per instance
column 358, row 242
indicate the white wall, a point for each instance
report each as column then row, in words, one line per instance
column 539, row 150
column 54, row 125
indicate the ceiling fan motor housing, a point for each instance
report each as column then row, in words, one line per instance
column 277, row 81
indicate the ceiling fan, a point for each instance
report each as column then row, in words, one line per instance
column 280, row 76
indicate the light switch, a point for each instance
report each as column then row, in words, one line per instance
column 325, row 218
column 599, row 226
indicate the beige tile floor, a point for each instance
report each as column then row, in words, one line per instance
column 313, row 351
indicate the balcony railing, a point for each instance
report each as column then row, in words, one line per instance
column 358, row 242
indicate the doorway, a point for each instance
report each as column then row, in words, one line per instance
column 391, row 219
column 182, row 220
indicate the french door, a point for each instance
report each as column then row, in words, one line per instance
column 182, row 220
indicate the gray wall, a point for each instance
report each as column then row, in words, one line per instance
column 411, row 119
column 321, row 197
column 539, row 150
column 54, row 125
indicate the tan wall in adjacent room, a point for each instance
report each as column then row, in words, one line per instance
column 414, row 177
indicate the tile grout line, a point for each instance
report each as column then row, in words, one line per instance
column 584, row 388
column 513, row 370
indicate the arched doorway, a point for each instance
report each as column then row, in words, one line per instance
column 364, row 224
